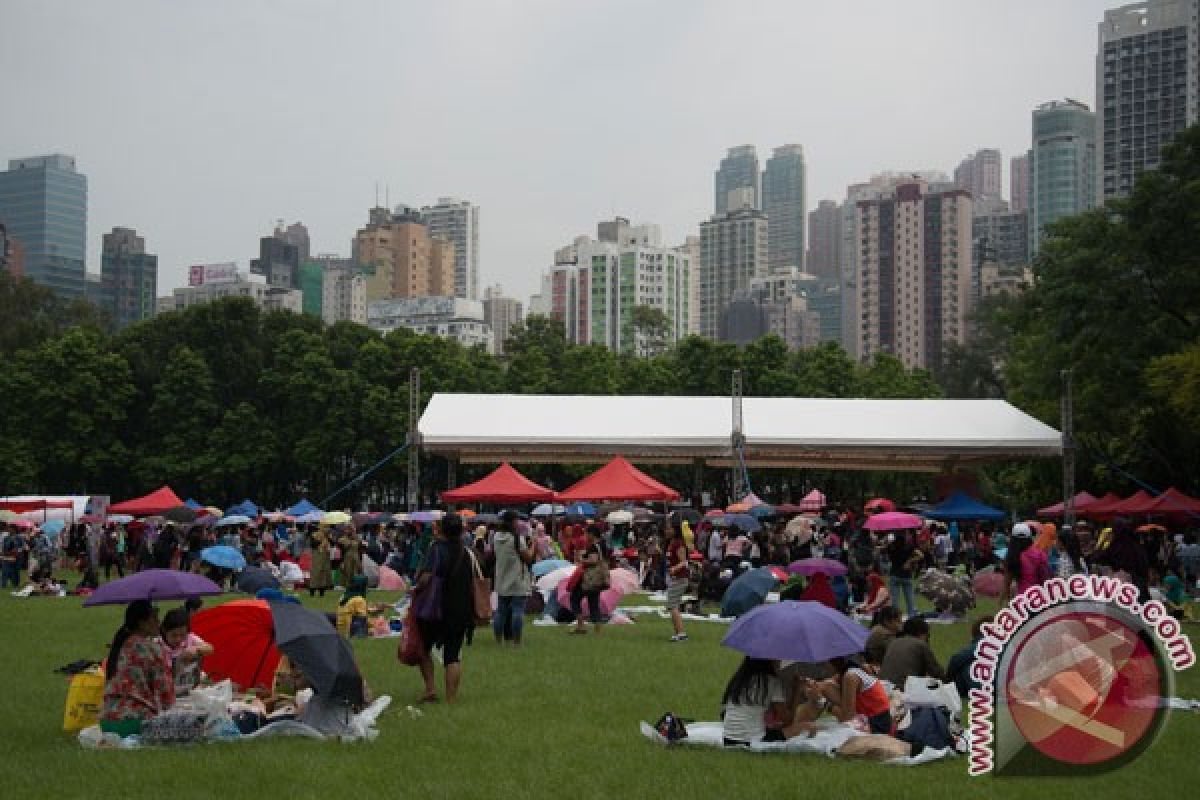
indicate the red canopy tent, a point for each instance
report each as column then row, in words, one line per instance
column 1136, row 503
column 1079, row 501
column 23, row 506
column 1099, row 505
column 618, row 480
column 156, row 502
column 503, row 485
column 1173, row 501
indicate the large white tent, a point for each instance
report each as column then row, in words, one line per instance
column 800, row 432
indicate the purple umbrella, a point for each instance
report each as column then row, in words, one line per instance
column 796, row 631
column 426, row 516
column 811, row 566
column 153, row 584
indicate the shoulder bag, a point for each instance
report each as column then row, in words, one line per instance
column 427, row 599
column 481, row 593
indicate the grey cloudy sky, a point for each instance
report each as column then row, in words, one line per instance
column 201, row 123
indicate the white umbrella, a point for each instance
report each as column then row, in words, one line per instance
column 551, row 580
column 620, row 517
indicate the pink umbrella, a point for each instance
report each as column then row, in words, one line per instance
column 21, row 523
column 811, row 566
column 608, row 599
column 989, row 583
column 879, row 504
column 893, row 521
column 390, row 580
column 780, row 574
column 623, row 579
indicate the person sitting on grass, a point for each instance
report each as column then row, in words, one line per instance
column 754, row 705
column 1175, row 595
column 884, row 628
column 910, row 654
column 958, row 668
column 185, row 648
column 853, row 690
column 138, row 680
column 820, row 591
column 352, row 609
column 878, row 595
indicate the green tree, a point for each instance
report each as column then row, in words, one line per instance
column 653, row 327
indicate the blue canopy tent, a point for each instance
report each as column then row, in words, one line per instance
column 302, row 508
column 192, row 504
column 244, row 508
column 961, row 506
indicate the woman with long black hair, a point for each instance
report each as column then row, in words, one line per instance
column 449, row 563
column 753, row 693
column 138, row 680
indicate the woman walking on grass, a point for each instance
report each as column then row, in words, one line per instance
column 449, row 562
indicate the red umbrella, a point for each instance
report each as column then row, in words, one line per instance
column 715, row 512
column 242, row 633
column 878, row 505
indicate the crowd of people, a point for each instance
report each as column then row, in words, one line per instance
column 687, row 557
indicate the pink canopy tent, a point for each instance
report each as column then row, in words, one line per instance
column 1174, row 502
column 813, row 501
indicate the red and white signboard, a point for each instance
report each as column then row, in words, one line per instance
column 200, row 274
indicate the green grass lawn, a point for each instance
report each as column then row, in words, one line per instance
column 556, row 719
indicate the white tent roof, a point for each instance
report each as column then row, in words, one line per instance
column 779, row 431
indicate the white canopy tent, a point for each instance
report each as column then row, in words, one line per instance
column 789, row 432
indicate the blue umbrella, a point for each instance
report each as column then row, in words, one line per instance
column 747, row 591
column 253, row 579
column 744, row 522
column 796, row 631
column 546, row 509
column 548, row 565
column 223, row 556
column 759, row 512
column 581, row 509
column 233, row 519
column 52, row 528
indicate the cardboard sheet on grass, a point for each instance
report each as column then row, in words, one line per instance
column 831, row 740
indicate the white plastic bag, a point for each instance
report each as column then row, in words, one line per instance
column 919, row 691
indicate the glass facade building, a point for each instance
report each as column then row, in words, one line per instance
column 783, row 199
column 1062, row 165
column 43, row 205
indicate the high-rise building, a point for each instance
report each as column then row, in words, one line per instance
column 43, row 206
column 783, row 200
column 217, row 281
column 981, row 174
column 1147, row 87
column 691, row 249
column 1062, row 165
column 343, row 290
column 777, row 304
column 128, row 277
column 10, row 254
column 595, row 287
column 733, row 251
column 738, row 170
column 448, row 317
column 279, row 259
column 915, row 285
column 824, row 240
column 296, row 234
column 1018, row 183
column 402, row 258
column 501, row 313
column 457, row 222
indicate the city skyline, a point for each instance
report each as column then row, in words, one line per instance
column 220, row 94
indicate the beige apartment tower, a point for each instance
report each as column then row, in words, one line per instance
column 407, row 261
column 915, row 272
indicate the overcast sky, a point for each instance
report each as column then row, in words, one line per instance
column 200, row 123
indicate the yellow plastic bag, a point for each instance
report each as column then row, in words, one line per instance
column 84, row 698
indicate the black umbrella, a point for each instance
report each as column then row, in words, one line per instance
column 252, row 579
column 311, row 642
column 180, row 514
